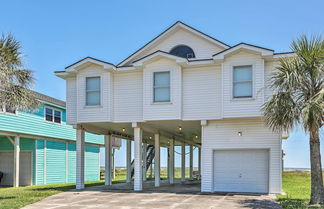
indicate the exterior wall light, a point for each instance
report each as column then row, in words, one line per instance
column 150, row 137
column 179, row 128
column 124, row 129
column 239, row 133
column 196, row 136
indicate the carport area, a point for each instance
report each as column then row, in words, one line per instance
column 178, row 195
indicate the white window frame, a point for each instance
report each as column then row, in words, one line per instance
column 154, row 87
column 53, row 113
column 235, row 82
column 86, row 91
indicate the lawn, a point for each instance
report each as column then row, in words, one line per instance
column 296, row 185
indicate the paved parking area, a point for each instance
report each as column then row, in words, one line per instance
column 175, row 196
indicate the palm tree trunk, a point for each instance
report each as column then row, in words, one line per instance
column 317, row 189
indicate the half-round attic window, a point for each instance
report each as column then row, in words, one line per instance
column 183, row 51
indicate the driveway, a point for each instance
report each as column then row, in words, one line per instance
column 175, row 196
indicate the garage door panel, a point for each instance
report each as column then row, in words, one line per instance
column 241, row 171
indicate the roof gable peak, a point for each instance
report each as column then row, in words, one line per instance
column 173, row 27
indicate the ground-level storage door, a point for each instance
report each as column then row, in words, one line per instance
column 25, row 169
column 241, row 171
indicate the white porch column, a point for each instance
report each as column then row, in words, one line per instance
column 80, row 159
column 108, row 159
column 16, row 161
column 138, row 170
column 183, row 162
column 128, row 161
column 171, row 163
column 199, row 160
column 157, row 160
column 144, row 161
column 191, row 162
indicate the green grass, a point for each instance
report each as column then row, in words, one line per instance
column 296, row 185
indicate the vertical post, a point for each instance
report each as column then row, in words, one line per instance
column 128, row 161
column 16, row 161
column 144, row 160
column 183, row 162
column 138, row 176
column 168, row 163
column 191, row 162
column 108, row 159
column 113, row 164
column 80, row 159
column 157, row 160
column 171, row 170
column 199, row 161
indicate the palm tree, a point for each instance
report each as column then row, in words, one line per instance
column 15, row 82
column 299, row 99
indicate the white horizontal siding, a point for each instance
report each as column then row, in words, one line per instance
column 71, row 101
column 243, row 107
column 128, row 97
column 202, row 93
column 162, row 111
column 222, row 134
column 202, row 48
column 99, row 113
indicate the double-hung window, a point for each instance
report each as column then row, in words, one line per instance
column 242, row 81
column 53, row 115
column 92, row 91
column 161, row 87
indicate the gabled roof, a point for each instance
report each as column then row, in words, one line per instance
column 156, row 54
column 178, row 24
column 49, row 100
column 92, row 60
column 263, row 51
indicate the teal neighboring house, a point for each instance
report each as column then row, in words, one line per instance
column 39, row 147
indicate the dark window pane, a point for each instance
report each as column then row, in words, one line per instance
column 183, row 51
column 57, row 116
column 49, row 117
column 48, row 114
column 10, row 109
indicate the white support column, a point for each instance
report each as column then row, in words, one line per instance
column 108, row 159
column 128, row 161
column 183, row 162
column 171, row 169
column 157, row 160
column 138, row 171
column 191, row 162
column 16, row 161
column 144, row 161
column 199, row 160
column 80, row 159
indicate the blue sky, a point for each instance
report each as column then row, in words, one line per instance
column 57, row 33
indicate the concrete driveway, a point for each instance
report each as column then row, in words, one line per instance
column 175, row 196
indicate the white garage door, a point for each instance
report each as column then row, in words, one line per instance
column 241, row 171
column 6, row 166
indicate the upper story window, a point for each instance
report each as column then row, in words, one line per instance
column 53, row 115
column 242, row 81
column 8, row 109
column 161, row 87
column 183, row 51
column 92, row 91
